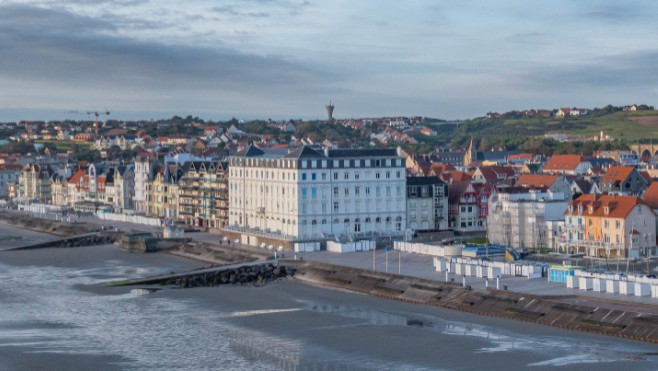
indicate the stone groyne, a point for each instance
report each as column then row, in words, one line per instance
column 623, row 319
column 236, row 274
column 77, row 241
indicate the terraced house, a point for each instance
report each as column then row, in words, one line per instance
column 203, row 194
column 609, row 226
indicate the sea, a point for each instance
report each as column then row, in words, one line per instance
column 58, row 311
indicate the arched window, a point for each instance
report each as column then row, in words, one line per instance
column 378, row 219
column 367, row 220
column 324, row 221
column 335, row 221
column 347, row 220
column 314, row 222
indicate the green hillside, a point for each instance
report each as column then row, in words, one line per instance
column 624, row 127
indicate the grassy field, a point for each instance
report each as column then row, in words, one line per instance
column 626, row 126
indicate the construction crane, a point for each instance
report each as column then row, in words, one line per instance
column 96, row 115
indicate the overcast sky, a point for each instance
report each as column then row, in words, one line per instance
column 250, row 59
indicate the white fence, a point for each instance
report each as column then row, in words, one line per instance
column 307, row 246
column 364, row 245
column 431, row 250
column 136, row 219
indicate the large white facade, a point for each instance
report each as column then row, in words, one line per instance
column 306, row 193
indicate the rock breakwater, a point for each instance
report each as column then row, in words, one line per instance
column 256, row 275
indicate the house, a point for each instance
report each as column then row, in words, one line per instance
column 609, row 226
column 554, row 183
column 519, row 159
column 581, row 186
column 492, row 174
column 34, row 183
column 566, row 164
column 427, row 204
column 454, row 176
column 624, row 180
column 562, row 112
column 203, row 194
column 623, row 158
column 463, row 209
column 211, row 130
column 9, row 173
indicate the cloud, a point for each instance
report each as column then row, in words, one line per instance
column 61, row 49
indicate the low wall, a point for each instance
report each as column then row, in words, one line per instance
column 136, row 219
column 608, row 318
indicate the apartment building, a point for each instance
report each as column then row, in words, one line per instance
column 310, row 194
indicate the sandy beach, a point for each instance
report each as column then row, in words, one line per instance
column 57, row 313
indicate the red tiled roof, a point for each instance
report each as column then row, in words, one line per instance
column 520, row 156
column 536, row 180
column 75, row 178
column 619, row 206
column 616, row 174
column 563, row 163
column 651, row 196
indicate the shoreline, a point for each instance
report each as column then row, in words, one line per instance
column 571, row 312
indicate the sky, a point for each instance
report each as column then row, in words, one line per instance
column 279, row 59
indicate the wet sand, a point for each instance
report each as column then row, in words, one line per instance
column 292, row 325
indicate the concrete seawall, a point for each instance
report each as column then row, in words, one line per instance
column 630, row 321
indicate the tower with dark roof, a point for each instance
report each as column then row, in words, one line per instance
column 330, row 112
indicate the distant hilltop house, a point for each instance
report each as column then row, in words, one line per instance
column 566, row 111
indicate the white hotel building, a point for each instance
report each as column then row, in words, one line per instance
column 299, row 194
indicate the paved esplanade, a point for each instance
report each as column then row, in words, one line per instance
column 410, row 264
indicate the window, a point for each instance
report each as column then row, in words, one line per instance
column 314, row 193
column 589, row 223
column 398, row 174
column 377, row 175
column 606, row 224
column 335, row 207
column 303, row 192
column 335, row 176
column 347, row 191
column 388, row 175
column 617, row 224
column 313, row 176
column 357, row 190
column 303, row 176
column 367, row 190
column 347, row 175
column 335, row 191
column 324, row 176
column 356, row 176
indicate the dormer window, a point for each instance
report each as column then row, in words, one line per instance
column 606, row 210
column 590, row 209
column 580, row 210
column 570, row 209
